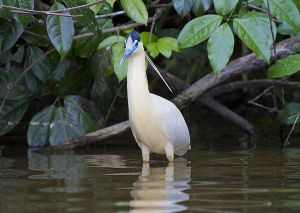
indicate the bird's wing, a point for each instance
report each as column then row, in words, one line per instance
column 174, row 125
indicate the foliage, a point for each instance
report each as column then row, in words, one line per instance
column 66, row 52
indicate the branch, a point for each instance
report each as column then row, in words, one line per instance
column 52, row 12
column 236, row 67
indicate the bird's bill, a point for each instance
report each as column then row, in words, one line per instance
column 126, row 55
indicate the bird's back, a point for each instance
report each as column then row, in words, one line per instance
column 174, row 126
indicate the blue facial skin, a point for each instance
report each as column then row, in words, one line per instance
column 135, row 38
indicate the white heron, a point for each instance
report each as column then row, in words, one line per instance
column 156, row 123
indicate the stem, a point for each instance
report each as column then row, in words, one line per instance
column 271, row 28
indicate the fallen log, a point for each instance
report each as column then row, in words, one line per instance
column 236, row 67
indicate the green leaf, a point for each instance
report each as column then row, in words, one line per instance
column 60, row 30
column 42, row 69
column 7, row 80
column 153, row 50
column 198, row 30
column 117, row 54
column 200, row 6
column 254, row 31
column 109, row 41
column 60, row 71
column 33, row 84
column 10, row 34
column 285, row 66
column 84, row 113
column 166, row 45
column 19, row 55
column 136, row 10
column 86, row 47
column 24, row 19
column 225, row 7
column 288, row 114
column 5, row 13
column 86, row 17
column 38, row 28
column 111, row 2
column 39, row 127
column 286, row 11
column 95, row 8
column 73, row 82
column 11, row 114
column 63, row 127
column 183, row 7
column 286, row 29
column 145, row 38
column 220, row 47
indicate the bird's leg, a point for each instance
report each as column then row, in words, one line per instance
column 169, row 150
column 145, row 153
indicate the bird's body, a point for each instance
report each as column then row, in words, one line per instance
column 156, row 123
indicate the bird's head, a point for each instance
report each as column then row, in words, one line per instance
column 131, row 44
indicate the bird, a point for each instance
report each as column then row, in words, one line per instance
column 156, row 123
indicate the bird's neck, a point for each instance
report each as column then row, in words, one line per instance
column 137, row 84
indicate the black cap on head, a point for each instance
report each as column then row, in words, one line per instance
column 134, row 35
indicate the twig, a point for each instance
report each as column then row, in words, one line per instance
column 113, row 29
column 152, row 25
column 11, row 88
column 292, row 129
column 32, row 12
column 264, row 11
column 36, row 35
column 53, row 12
column 110, row 14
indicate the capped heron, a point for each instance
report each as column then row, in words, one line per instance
column 156, row 123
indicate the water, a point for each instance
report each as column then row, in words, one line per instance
column 208, row 179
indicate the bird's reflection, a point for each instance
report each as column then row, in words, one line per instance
column 160, row 189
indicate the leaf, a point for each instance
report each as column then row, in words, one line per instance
column 286, row 11
column 183, row 7
column 33, row 84
column 63, row 127
column 288, row 114
column 5, row 13
column 42, row 69
column 111, row 2
column 200, row 6
column 145, row 38
column 10, row 34
column 198, row 30
column 255, row 34
column 86, row 47
column 225, row 7
column 153, row 50
column 166, row 45
column 38, row 28
column 39, row 127
column 136, row 10
column 60, row 30
column 220, row 47
column 117, row 54
column 24, row 19
column 285, row 66
column 11, row 114
column 60, row 71
column 85, row 112
column 109, row 41
column 95, row 8
column 86, row 17
column 73, row 82
column 286, row 29
column 7, row 80
column 19, row 55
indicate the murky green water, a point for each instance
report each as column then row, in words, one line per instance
column 206, row 180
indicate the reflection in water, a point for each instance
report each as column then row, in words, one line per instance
column 160, row 189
